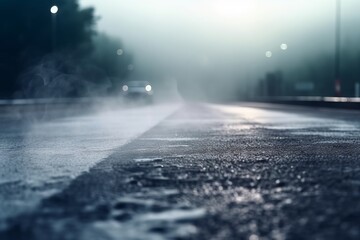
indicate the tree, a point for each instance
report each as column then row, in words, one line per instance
column 26, row 36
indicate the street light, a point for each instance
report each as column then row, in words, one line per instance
column 268, row 54
column 284, row 46
column 337, row 49
column 274, row 77
column 54, row 10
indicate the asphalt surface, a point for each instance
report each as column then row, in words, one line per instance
column 235, row 171
column 44, row 147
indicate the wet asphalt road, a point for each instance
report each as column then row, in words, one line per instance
column 235, row 171
column 43, row 148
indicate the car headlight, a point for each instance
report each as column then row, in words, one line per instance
column 125, row 88
column 148, row 88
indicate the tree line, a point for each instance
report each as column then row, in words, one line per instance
column 56, row 55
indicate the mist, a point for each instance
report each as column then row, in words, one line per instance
column 217, row 48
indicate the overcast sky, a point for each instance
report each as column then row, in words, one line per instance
column 232, row 32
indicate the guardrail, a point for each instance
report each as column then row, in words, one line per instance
column 315, row 101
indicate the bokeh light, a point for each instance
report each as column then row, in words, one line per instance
column 268, row 54
column 131, row 67
column 120, row 52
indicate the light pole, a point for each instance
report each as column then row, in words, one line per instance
column 54, row 10
column 338, row 49
column 278, row 88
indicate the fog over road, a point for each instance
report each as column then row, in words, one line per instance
column 208, row 171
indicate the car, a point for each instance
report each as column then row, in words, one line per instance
column 138, row 90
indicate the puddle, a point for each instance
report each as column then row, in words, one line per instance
column 137, row 230
column 145, row 215
column 170, row 139
column 175, row 215
column 169, row 224
column 160, row 192
column 176, row 146
column 323, row 134
column 148, row 160
column 337, row 141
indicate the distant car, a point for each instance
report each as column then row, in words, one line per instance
column 138, row 90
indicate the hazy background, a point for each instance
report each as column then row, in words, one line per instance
column 208, row 49
column 224, row 41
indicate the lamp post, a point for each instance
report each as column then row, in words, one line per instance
column 338, row 49
column 54, row 10
column 277, row 84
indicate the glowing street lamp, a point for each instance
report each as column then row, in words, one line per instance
column 284, row 46
column 54, row 10
column 337, row 49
